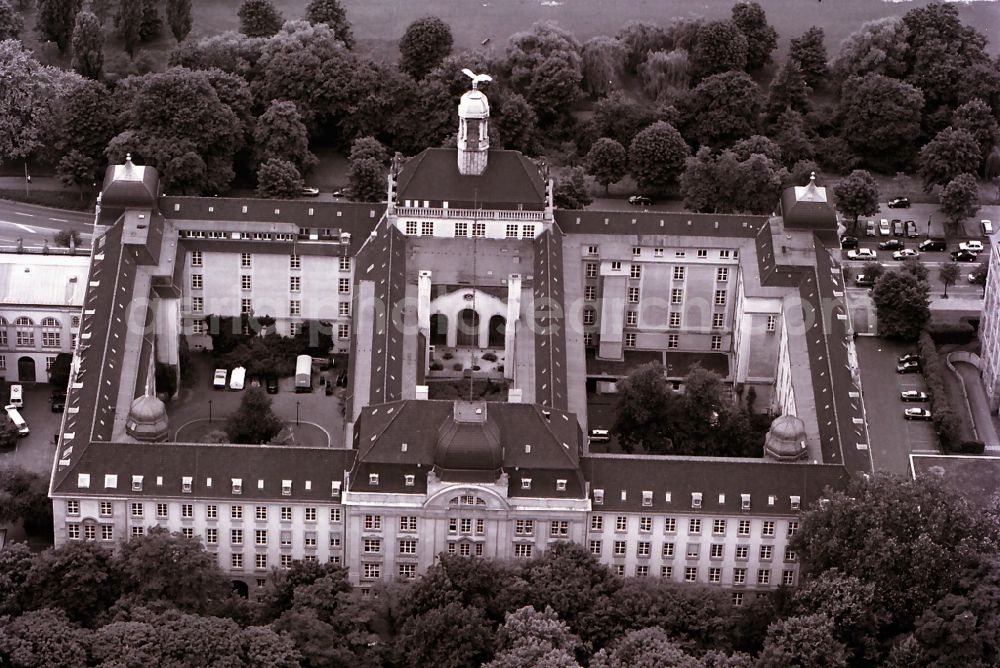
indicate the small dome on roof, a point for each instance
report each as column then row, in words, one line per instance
column 786, row 439
column 147, row 419
column 474, row 105
column 468, row 445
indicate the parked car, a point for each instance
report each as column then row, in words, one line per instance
column 865, row 254
column 911, row 229
column 864, row 281
column 600, row 436
column 847, row 243
column 891, row 244
column 15, row 416
column 870, row 228
column 58, row 401
column 898, row 203
column 640, row 200
column 897, row 227
column 987, row 227
column 309, row 192
column 932, row 245
column 271, row 384
column 964, row 256
column 908, row 367
column 219, row 379
column 905, row 254
column 339, row 193
column 909, row 357
column 974, row 277
column 883, row 227
column 17, row 395
column 917, row 414
column 913, row 395
column 971, row 246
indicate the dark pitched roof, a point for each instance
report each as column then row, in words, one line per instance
column 680, row 477
column 809, row 207
column 549, row 321
column 128, row 186
column 658, row 223
column 218, row 463
column 510, row 180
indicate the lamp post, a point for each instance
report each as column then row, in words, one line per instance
column 209, row 410
column 296, row 413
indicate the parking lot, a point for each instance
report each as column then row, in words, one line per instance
column 35, row 451
column 891, row 437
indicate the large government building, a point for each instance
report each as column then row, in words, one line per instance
column 468, row 261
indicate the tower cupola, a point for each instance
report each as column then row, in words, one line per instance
column 473, row 127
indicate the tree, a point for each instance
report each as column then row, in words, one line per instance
column 531, row 639
column 881, row 118
column 656, row 157
column 280, row 133
column 544, row 65
column 43, row 638
column 802, row 172
column 762, row 38
column 101, row 9
column 151, row 23
column 948, row 273
column 639, row 38
column 607, row 162
column 788, row 91
column 24, row 498
column 368, row 147
column 744, row 148
column 857, row 196
column 849, row 604
column 720, row 47
column 9, row 433
column 809, row 51
column 278, row 179
column 699, row 185
column 721, row 110
column 55, row 20
column 515, row 126
column 259, row 18
column 80, row 578
column 976, row 117
column 366, row 180
column 332, row 13
column 620, row 118
column 179, row 18
column 424, row 45
column 11, row 22
column 644, row 648
column 82, row 123
column 570, row 579
column 980, row 275
column 873, row 269
column 959, row 197
column 603, row 63
column 877, row 47
column 901, row 301
column 644, row 401
column 254, row 422
column 760, row 184
column 450, row 636
column 950, row 153
column 88, row 46
column 15, row 564
column 791, row 135
column 807, row 642
column 665, row 73
column 128, row 21
column 59, row 373
column 571, row 190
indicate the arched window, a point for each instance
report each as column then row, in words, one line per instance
column 25, row 331
column 76, row 321
column 50, row 322
column 24, row 321
column 51, row 335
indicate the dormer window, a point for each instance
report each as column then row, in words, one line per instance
column 286, row 487
column 110, row 481
column 668, row 497
column 527, row 448
column 137, row 483
column 335, row 488
column 186, row 483
column 83, row 480
column 208, row 482
column 309, row 485
column 525, row 483
column 624, row 495
column 403, row 447
column 796, row 502
column 745, row 501
column 598, row 496
column 696, row 499
column 771, row 499
column 237, row 485
column 722, row 499
column 373, row 479
column 560, row 485
column 647, row 498
column 409, row 479
column 159, row 481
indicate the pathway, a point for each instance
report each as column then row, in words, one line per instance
column 978, row 404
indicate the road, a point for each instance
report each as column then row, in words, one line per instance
column 36, row 225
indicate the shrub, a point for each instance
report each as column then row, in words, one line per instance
column 457, row 366
column 969, row 448
column 447, row 356
column 475, row 367
column 490, row 357
column 959, row 333
column 436, row 366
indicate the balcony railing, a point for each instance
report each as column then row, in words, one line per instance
column 470, row 214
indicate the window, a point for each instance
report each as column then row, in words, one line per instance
column 411, row 227
column 522, row 550
column 294, row 261
column 632, row 318
column 763, row 576
column 286, row 513
column 479, row 229
column 211, row 512
column 260, row 561
column 25, row 331
column 198, row 304
column 343, row 331
column 512, row 230
column 137, row 510
column 620, row 548
column 246, row 282
column 678, row 273
column 592, row 250
column 630, row 339
column 161, row 511
column 737, row 597
column 591, row 269
column 788, row 578
column 187, row 511
column 73, row 531
column 767, row 529
column 668, row 550
column 286, row 561
column 427, row 228
column 461, row 229
column 718, row 320
column 716, row 551
column 344, row 309
column 310, row 514
column 691, row 574
column 246, row 305
column 716, row 342
column 408, row 523
column 722, row 274
column 196, row 258
column 765, row 552
column 245, row 260
column 719, row 527
column 294, row 307
column 595, row 547
column 345, row 264
column 616, row 265
column 373, row 522
column 50, row 333
column 196, row 281
column 344, row 286
column 408, row 546
column 211, row 536
column 260, row 512
column 724, row 254
column 675, row 319
column 635, row 271
column 90, row 532
column 645, row 524
column 236, row 536
column 372, row 545
column 694, row 525
column 793, row 528
column 335, row 514
column 739, row 575
column 789, row 553
column 666, row 571
column 642, row 549
column 702, row 252
column 744, row 528
column 260, row 537
column 676, row 296
column 138, row 531
column 693, row 550
column 720, row 297
column 72, row 507
column 636, row 251
column 407, row 571
column 772, row 322
column 673, row 341
column 669, row 524
column 295, row 283
column 3, row 342
column 621, row 523
column 236, row 512
column 371, row 571
column 590, row 293
column 466, row 523
column 633, row 295
column 714, row 575
column 559, row 529
column 597, row 523
column 197, row 327
column 527, row 232
column 588, row 340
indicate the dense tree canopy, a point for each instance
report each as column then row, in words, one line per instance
column 332, row 13
column 721, row 110
column 950, row 153
column 424, row 45
column 656, row 157
column 720, row 47
column 259, row 18
column 762, row 38
column 55, row 20
column 179, row 18
column 88, row 46
column 280, row 133
column 809, row 51
column 607, row 161
column 959, row 197
column 857, row 195
column 902, row 303
column 881, row 118
column 11, row 22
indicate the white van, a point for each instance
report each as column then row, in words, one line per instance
column 15, row 417
column 237, row 378
column 17, row 396
column 219, row 381
column 987, row 227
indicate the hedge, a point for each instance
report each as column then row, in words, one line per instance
column 943, row 333
column 950, row 426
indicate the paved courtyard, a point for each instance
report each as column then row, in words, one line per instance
column 35, row 451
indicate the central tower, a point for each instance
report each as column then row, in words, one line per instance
column 473, row 130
